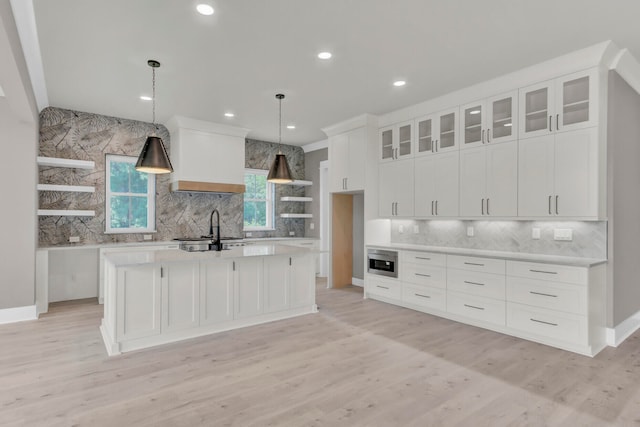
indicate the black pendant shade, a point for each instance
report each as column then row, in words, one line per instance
column 153, row 157
column 279, row 172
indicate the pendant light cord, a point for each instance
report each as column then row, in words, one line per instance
column 154, row 95
column 280, row 127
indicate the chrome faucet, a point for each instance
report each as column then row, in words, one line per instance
column 216, row 242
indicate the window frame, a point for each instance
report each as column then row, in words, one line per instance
column 150, row 195
column 270, row 202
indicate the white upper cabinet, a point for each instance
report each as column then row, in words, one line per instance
column 488, row 181
column 559, row 105
column 436, row 186
column 558, row 175
column 346, row 151
column 395, row 197
column 437, row 133
column 490, row 120
column 396, row 142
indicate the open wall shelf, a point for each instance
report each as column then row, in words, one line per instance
column 65, row 212
column 296, row 215
column 296, row 199
column 65, row 163
column 67, row 188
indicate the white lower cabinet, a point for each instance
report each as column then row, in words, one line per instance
column 216, row 292
column 558, row 305
column 248, row 287
column 303, row 281
column 138, row 302
column 180, row 296
column 276, row 284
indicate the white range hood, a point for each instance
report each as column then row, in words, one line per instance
column 206, row 157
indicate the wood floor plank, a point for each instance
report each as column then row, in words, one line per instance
column 355, row 363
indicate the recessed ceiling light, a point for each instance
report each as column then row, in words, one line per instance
column 229, row 115
column 145, row 98
column 204, row 9
column 291, row 126
column 474, row 112
column 399, row 83
column 324, row 55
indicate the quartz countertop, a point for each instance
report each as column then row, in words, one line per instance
column 273, row 239
column 513, row 256
column 154, row 256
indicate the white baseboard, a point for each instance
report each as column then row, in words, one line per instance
column 615, row 336
column 357, row 282
column 18, row 314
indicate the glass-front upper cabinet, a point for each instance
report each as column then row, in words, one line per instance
column 490, row 120
column 437, row 133
column 559, row 105
column 396, row 142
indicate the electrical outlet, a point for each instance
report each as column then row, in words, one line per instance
column 74, row 239
column 416, row 229
column 292, row 233
column 565, row 234
column 312, row 226
column 401, row 229
column 147, row 237
column 471, row 232
column 535, row 233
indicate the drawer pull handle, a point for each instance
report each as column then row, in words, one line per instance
column 419, row 257
column 474, row 283
column 542, row 271
column 423, row 296
column 542, row 321
column 383, row 287
column 474, row 263
column 473, row 306
column 423, row 275
column 544, row 295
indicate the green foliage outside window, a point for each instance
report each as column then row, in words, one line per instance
column 258, row 200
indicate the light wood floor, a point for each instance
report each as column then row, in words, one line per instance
column 356, row 363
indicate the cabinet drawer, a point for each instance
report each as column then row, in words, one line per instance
column 551, row 295
column 482, row 284
column 424, row 258
column 485, row 265
column 556, row 273
column 425, row 296
column 424, row 275
column 475, row 307
column 566, row 327
column 384, row 288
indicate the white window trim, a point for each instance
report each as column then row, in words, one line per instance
column 271, row 203
column 151, row 198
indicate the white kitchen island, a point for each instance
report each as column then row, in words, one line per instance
column 159, row 296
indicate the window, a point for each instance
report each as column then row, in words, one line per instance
column 130, row 197
column 258, row 200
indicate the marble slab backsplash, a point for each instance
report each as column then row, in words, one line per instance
column 87, row 136
column 589, row 238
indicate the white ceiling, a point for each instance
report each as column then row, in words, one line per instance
column 94, row 54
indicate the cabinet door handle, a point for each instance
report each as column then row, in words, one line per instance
column 482, row 205
column 474, row 307
column 422, row 275
column 473, row 283
column 557, row 121
column 544, row 295
column 289, row 260
column 436, row 208
column 482, row 138
column 432, row 207
column 550, row 123
column 557, row 213
column 437, row 145
column 161, row 272
column 234, row 266
column 542, row 271
column 488, row 206
column 549, row 205
column 422, row 296
column 488, row 136
column 382, row 287
column 428, row 259
column 542, row 321
column 474, row 263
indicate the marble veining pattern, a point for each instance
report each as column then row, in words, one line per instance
column 87, row 136
column 589, row 237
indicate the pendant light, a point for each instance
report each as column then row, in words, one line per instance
column 280, row 172
column 153, row 157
